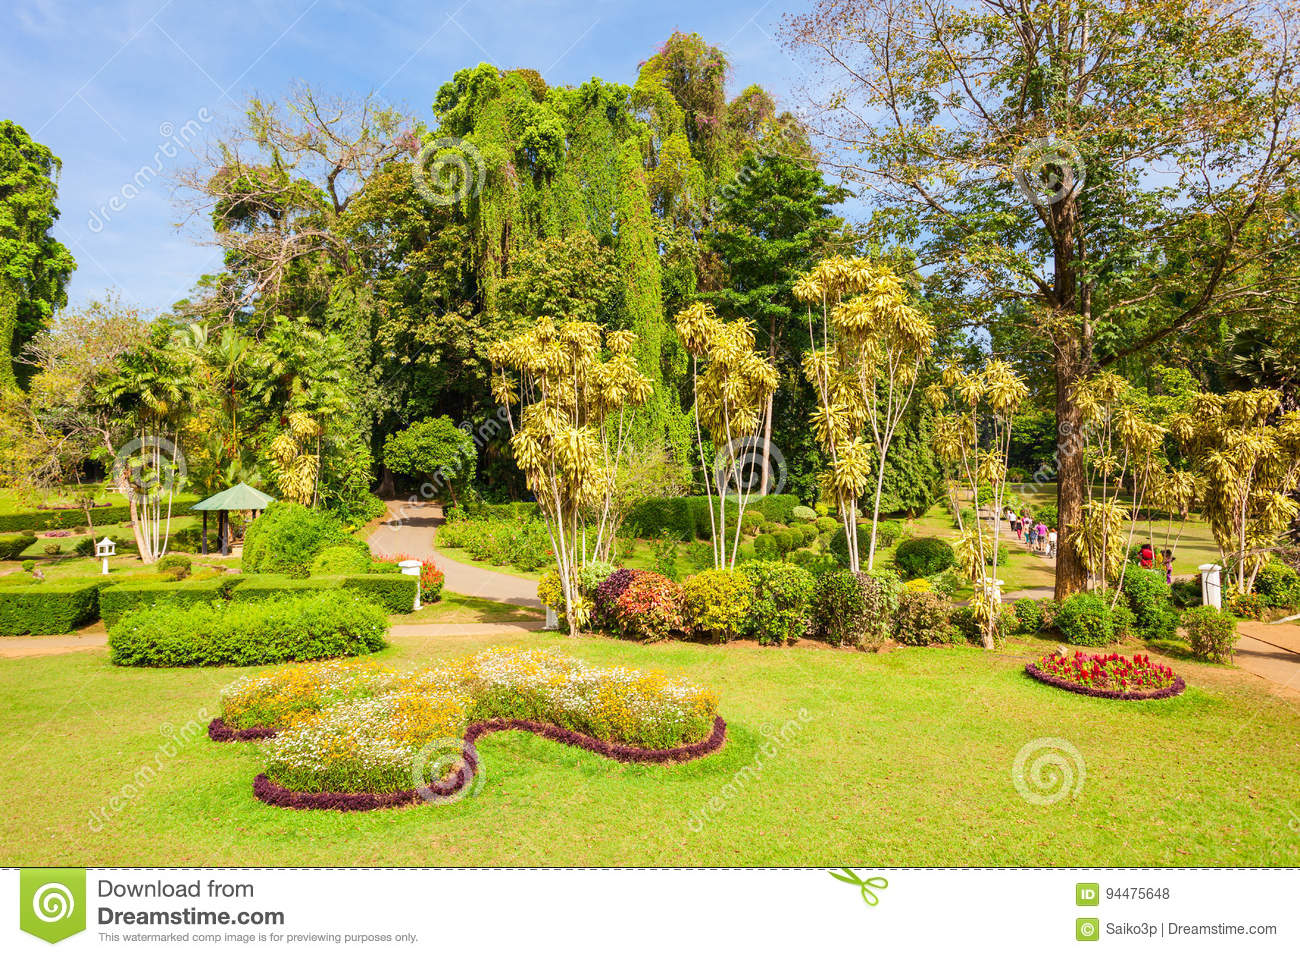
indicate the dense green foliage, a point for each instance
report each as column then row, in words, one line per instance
column 1085, row 619
column 286, row 538
column 47, row 608
column 923, row 557
column 781, row 603
column 128, row 596
column 296, row 628
column 435, row 450
column 1211, row 633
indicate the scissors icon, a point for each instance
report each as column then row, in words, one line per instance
column 868, row 895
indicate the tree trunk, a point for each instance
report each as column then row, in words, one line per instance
column 387, row 486
column 1071, row 575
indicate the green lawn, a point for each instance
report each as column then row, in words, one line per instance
column 898, row 759
column 452, row 608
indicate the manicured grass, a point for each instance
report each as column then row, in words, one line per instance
column 463, row 609
column 901, row 758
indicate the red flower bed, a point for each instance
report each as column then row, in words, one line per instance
column 1107, row 676
column 431, row 576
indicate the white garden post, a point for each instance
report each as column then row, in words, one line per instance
column 411, row 566
column 1211, row 588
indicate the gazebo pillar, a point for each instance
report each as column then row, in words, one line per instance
column 203, row 544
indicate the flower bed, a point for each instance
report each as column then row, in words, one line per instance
column 1107, row 676
column 354, row 736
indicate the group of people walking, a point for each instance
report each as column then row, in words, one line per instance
column 1147, row 559
column 1037, row 535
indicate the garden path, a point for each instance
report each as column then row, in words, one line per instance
column 1270, row 651
column 408, row 530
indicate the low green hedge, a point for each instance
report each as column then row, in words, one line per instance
column 118, row 600
column 12, row 546
column 393, row 593
column 51, row 518
column 301, row 627
column 48, row 608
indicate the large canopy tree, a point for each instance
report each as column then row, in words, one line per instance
column 34, row 266
column 1097, row 170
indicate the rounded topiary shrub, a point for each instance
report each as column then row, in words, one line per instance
column 1211, row 633
column 716, row 603
column 827, row 524
column 781, row 601
column 750, row 521
column 1085, row 619
column 921, row 619
column 286, row 538
column 351, row 559
column 839, row 544
column 923, row 557
column 802, row 513
column 175, row 566
column 1151, row 600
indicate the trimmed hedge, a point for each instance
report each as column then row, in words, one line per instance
column 393, row 593
column 118, row 600
column 923, row 557
column 303, row 627
column 12, row 546
column 48, row 608
column 44, row 519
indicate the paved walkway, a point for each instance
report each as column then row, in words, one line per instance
column 408, row 530
column 1270, row 651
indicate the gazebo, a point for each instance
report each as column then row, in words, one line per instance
column 237, row 498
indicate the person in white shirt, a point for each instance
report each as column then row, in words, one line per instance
column 1051, row 544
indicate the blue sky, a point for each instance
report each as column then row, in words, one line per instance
column 109, row 86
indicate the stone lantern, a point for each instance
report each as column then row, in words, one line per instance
column 104, row 549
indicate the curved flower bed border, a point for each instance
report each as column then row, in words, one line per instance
column 1038, row 674
column 267, row 791
column 218, row 730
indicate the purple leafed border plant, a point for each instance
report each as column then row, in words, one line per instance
column 267, row 791
column 1177, row 688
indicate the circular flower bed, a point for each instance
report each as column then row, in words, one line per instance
column 1107, row 676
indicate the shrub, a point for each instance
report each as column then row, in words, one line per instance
column 48, row 608
column 781, row 601
column 28, row 564
column 1187, row 593
column 839, row 544
column 299, row 628
column 590, row 578
column 1029, row 615
column 85, row 547
column 286, row 538
column 51, row 548
column 1252, row 606
column 393, row 593
column 175, row 566
column 120, row 599
column 1211, row 633
column 838, row 608
column 750, row 521
column 966, row 628
column 921, row 619
column 1048, row 609
column 804, row 534
column 1046, row 514
column 776, row 508
column 1279, row 583
column 802, row 513
column 11, row 546
column 649, row 608
column 787, row 540
column 607, row 593
column 923, row 557
column 717, row 603
column 1149, row 598
column 353, row 559
column 826, row 524
column 699, row 556
column 765, row 547
column 1085, row 619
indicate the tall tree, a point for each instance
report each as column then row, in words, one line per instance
column 1097, row 163
column 34, row 266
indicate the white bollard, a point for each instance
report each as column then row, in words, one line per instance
column 411, row 566
column 1211, row 587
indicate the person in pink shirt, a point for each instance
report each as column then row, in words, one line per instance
column 1040, row 531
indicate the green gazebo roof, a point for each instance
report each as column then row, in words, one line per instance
column 237, row 498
